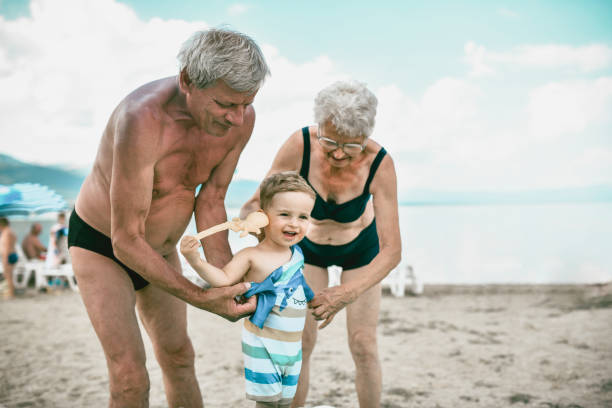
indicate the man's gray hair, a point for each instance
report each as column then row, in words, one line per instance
column 350, row 106
column 219, row 53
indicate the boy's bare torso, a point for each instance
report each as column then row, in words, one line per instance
column 263, row 261
column 186, row 157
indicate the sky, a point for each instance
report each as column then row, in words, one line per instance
column 473, row 95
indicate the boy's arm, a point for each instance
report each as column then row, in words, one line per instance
column 230, row 274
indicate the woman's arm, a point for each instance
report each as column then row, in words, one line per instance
column 384, row 191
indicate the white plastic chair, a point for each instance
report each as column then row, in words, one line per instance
column 333, row 273
column 24, row 269
column 46, row 274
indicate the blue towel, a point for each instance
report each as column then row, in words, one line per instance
column 283, row 280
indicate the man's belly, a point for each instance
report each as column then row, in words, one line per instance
column 166, row 222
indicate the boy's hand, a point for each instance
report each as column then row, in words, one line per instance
column 189, row 247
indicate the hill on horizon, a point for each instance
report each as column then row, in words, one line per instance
column 65, row 182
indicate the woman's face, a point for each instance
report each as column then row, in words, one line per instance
column 339, row 150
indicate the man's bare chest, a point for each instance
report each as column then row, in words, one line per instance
column 185, row 169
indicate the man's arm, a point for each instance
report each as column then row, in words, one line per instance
column 134, row 156
column 135, row 153
column 210, row 202
column 289, row 157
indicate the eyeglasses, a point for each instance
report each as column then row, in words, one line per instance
column 352, row 149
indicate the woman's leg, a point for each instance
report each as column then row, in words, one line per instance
column 361, row 321
column 317, row 279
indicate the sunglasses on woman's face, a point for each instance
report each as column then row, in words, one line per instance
column 352, row 149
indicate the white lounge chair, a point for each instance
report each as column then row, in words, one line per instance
column 397, row 280
column 401, row 278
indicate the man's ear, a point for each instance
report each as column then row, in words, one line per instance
column 184, row 81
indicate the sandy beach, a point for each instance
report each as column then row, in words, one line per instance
column 466, row 346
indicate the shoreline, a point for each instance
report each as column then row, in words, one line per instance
column 436, row 289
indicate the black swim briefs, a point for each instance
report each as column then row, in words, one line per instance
column 359, row 252
column 82, row 235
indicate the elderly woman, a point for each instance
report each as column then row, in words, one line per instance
column 345, row 168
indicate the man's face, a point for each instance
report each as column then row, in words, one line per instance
column 218, row 108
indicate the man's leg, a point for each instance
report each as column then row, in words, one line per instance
column 317, row 279
column 165, row 319
column 361, row 321
column 109, row 298
column 9, row 293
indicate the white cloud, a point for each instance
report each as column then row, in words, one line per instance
column 63, row 71
column 65, row 68
column 559, row 108
column 236, row 9
column 588, row 58
column 475, row 56
column 507, row 12
column 594, row 163
column 283, row 105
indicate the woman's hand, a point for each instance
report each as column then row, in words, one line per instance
column 330, row 301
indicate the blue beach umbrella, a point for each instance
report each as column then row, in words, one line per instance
column 29, row 199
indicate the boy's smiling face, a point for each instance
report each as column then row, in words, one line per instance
column 289, row 215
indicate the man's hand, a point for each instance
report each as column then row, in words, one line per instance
column 328, row 302
column 222, row 301
column 189, row 248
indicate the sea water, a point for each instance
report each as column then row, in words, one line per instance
column 548, row 243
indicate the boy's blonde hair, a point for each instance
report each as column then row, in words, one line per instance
column 286, row 181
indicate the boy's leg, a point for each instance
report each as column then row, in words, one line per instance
column 317, row 279
column 165, row 319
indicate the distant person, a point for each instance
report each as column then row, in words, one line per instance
column 355, row 225
column 32, row 247
column 58, row 243
column 271, row 338
column 162, row 142
column 8, row 240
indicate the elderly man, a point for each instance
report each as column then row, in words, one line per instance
column 162, row 141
